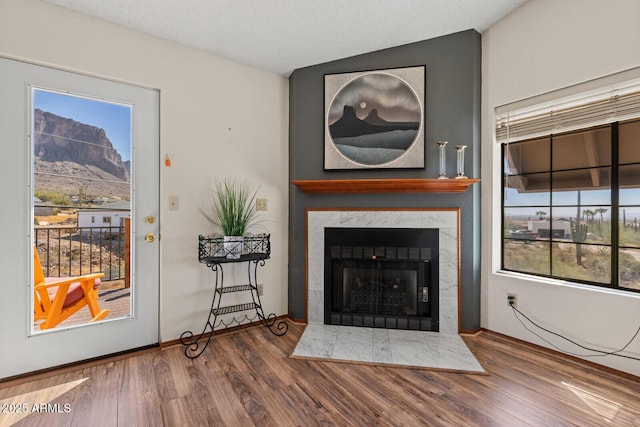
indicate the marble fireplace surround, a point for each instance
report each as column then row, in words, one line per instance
column 443, row 350
column 446, row 220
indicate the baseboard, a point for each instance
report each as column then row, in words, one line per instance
column 608, row 369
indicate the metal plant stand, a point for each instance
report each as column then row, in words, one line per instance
column 212, row 252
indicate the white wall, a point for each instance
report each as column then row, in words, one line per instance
column 217, row 118
column 547, row 45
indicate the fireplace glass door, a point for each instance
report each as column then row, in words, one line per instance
column 382, row 278
column 381, row 287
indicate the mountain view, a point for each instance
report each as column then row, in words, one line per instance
column 77, row 159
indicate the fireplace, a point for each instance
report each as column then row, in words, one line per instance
column 446, row 221
column 382, row 278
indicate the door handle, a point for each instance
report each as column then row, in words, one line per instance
column 149, row 237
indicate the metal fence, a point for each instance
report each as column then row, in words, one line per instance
column 72, row 251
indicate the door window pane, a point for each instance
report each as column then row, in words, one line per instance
column 81, row 170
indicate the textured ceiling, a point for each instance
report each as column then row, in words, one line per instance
column 282, row 35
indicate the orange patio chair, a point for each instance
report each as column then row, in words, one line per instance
column 56, row 298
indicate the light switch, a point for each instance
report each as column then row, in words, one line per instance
column 174, row 203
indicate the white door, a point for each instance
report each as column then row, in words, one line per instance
column 24, row 348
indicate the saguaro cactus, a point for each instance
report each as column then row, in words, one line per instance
column 578, row 233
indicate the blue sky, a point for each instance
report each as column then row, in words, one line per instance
column 115, row 119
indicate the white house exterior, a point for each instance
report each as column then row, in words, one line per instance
column 109, row 215
column 561, row 228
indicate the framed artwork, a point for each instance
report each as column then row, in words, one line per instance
column 375, row 119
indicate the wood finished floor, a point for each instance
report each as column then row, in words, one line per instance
column 246, row 378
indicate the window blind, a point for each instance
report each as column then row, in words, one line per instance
column 577, row 112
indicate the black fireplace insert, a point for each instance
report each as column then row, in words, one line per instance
column 382, row 278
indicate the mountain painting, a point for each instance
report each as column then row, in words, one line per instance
column 375, row 119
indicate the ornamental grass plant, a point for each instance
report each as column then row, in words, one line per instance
column 234, row 206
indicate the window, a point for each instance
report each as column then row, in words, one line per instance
column 571, row 205
column 571, row 183
column 106, row 220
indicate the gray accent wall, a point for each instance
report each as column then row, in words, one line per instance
column 452, row 113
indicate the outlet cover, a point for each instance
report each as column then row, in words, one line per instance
column 261, row 204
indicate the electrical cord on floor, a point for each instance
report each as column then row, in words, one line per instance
column 517, row 312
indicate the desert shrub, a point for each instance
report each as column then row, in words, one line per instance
column 53, row 197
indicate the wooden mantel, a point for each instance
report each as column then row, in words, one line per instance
column 342, row 186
